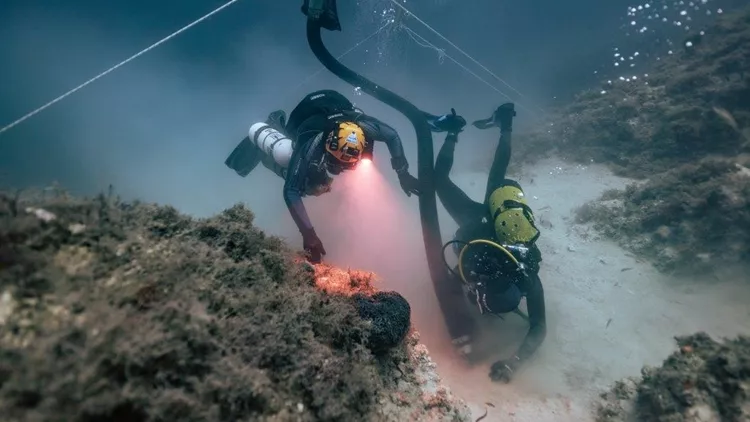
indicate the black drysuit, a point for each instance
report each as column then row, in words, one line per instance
column 312, row 119
column 475, row 222
column 318, row 113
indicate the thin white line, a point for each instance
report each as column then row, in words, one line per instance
column 115, row 67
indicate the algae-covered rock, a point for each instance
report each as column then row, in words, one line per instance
column 685, row 133
column 695, row 217
column 128, row 311
column 694, row 103
column 703, row 381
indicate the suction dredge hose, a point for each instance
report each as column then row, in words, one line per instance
column 323, row 14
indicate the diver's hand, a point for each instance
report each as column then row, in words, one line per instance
column 503, row 370
column 409, row 183
column 313, row 246
column 451, row 123
column 503, row 116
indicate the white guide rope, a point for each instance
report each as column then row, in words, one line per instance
column 115, row 67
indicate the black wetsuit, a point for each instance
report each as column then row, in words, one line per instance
column 319, row 113
column 475, row 222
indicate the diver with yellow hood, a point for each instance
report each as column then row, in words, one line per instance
column 498, row 260
column 324, row 136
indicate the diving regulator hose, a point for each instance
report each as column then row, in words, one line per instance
column 425, row 156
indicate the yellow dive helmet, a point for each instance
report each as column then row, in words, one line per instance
column 346, row 143
column 513, row 218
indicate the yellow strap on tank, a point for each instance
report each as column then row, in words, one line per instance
column 486, row 242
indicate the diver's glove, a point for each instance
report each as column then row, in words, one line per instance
column 503, row 370
column 312, row 245
column 502, row 117
column 451, row 123
column 409, row 183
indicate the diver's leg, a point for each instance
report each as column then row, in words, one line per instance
column 499, row 163
column 458, row 204
column 245, row 157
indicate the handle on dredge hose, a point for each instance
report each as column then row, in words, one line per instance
column 324, row 14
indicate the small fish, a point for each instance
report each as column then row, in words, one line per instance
column 625, row 269
column 490, row 404
column 483, row 416
column 608, row 322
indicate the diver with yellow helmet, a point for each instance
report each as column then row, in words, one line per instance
column 324, row 136
column 498, row 260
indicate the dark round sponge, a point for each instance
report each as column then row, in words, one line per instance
column 390, row 314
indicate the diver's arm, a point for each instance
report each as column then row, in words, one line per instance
column 504, row 370
column 294, row 188
column 537, row 320
column 376, row 130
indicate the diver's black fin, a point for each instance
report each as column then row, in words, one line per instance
column 245, row 157
column 277, row 120
column 484, row 123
